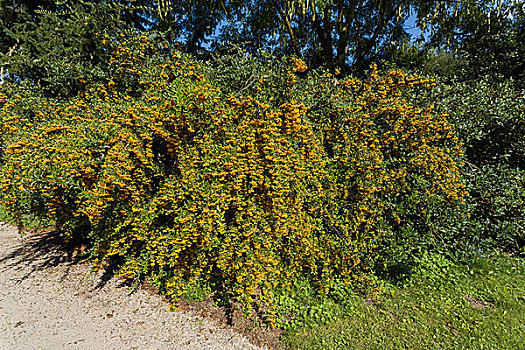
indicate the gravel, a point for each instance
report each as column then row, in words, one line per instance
column 50, row 300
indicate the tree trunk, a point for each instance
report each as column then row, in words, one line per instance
column 380, row 26
column 346, row 17
column 289, row 28
column 324, row 33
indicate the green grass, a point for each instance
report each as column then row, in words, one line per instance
column 442, row 306
column 3, row 215
column 29, row 223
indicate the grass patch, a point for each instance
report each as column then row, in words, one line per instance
column 3, row 214
column 29, row 223
column 476, row 306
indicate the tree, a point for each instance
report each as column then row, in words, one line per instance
column 496, row 48
column 190, row 21
column 335, row 33
column 52, row 44
column 483, row 46
column 50, row 35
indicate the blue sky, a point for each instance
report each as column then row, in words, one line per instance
column 411, row 27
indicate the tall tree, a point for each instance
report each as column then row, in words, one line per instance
column 53, row 43
column 496, row 48
column 192, row 21
column 337, row 33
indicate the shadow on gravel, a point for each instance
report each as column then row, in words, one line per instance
column 230, row 316
column 41, row 250
column 108, row 273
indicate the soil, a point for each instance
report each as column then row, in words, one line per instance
column 478, row 304
column 50, row 299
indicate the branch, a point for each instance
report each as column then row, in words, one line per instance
column 286, row 20
column 380, row 26
column 324, row 34
column 250, row 81
column 343, row 27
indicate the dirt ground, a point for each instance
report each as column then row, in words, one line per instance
column 49, row 300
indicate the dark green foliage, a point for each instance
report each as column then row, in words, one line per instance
column 481, row 86
column 490, row 49
column 490, row 120
column 342, row 34
column 58, row 46
column 263, row 75
column 337, row 34
column 496, row 49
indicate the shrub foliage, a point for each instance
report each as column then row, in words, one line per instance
column 181, row 182
column 490, row 119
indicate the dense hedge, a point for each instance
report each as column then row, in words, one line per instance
column 180, row 181
column 489, row 118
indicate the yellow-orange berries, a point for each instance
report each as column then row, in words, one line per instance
column 185, row 183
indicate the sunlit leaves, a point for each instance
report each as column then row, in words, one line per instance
column 184, row 183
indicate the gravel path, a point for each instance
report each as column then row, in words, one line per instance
column 48, row 300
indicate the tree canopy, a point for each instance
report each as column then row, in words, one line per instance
column 52, row 43
column 334, row 33
column 40, row 38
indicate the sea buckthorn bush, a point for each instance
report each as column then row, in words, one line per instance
column 184, row 183
column 396, row 166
